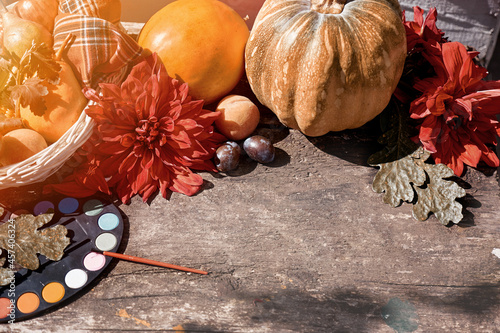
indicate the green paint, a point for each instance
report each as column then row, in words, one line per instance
column 400, row 316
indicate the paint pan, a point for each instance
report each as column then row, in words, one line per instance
column 93, row 224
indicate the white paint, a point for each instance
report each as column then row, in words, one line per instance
column 496, row 252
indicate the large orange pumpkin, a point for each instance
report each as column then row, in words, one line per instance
column 201, row 42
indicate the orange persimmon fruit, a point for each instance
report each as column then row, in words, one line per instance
column 200, row 42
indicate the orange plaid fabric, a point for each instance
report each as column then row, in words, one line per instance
column 87, row 7
column 100, row 52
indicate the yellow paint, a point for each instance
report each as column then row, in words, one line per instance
column 123, row 313
column 178, row 328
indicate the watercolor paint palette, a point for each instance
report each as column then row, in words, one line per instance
column 94, row 225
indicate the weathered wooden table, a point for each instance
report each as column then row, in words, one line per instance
column 300, row 245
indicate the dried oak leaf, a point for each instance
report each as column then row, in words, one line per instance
column 396, row 179
column 405, row 177
column 396, row 161
column 439, row 195
column 29, row 241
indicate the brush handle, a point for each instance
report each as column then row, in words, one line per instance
column 151, row 262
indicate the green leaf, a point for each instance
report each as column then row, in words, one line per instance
column 439, row 195
column 396, row 139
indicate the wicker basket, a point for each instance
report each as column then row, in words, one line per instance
column 40, row 166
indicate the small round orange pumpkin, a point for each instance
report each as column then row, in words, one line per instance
column 201, row 42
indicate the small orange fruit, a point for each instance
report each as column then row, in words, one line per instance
column 239, row 117
column 201, row 42
column 20, row 144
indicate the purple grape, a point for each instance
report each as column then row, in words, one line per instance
column 227, row 156
column 259, row 148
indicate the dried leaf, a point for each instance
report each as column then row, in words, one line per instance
column 29, row 240
column 397, row 168
column 20, row 79
column 6, row 80
column 405, row 177
column 5, row 276
column 397, row 178
column 5, row 64
column 39, row 61
column 439, row 195
column 31, row 94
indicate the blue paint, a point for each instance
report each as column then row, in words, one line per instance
column 108, row 221
column 68, row 205
column 400, row 316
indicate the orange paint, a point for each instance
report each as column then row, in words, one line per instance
column 28, row 302
column 53, row 292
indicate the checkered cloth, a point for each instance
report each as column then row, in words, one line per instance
column 100, row 52
column 94, row 8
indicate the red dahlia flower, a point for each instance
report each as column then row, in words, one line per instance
column 422, row 33
column 458, row 110
column 151, row 134
column 423, row 42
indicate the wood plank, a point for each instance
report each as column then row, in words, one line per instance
column 300, row 245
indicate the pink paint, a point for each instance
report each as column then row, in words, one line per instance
column 94, row 261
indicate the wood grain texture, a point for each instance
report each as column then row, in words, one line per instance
column 300, row 245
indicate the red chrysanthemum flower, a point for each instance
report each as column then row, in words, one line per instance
column 151, row 134
column 458, row 111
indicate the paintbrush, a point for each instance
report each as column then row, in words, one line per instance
column 151, row 262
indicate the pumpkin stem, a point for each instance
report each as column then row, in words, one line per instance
column 328, row 6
